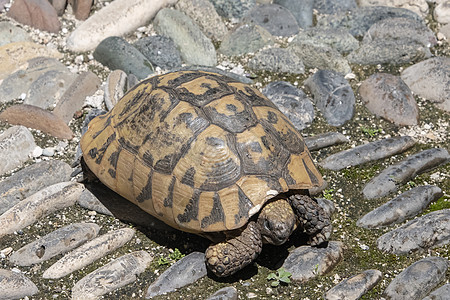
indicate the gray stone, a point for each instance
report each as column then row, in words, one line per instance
column 276, row 19
column 333, row 6
column 16, row 144
column 89, row 252
column 333, row 96
column 321, row 57
column 235, row 76
column 277, row 60
column 441, row 12
column 301, row 10
column 282, row 88
column 386, row 182
column 441, row 293
column 402, row 207
column 420, row 7
column 206, row 16
column 15, row 285
column 430, row 79
column 59, row 5
column 226, row 293
column 245, row 39
column 417, row 280
column 115, row 88
column 39, row 205
column 11, row 34
column 185, row 271
column 327, row 205
column 116, row 53
column 118, row 273
column 160, row 50
column 30, row 180
column 359, row 20
column 387, row 96
column 54, row 243
column 423, row 233
column 367, row 152
column 354, row 287
column 233, row 8
column 307, row 262
column 195, row 47
column 89, row 201
column 324, row 140
column 336, row 38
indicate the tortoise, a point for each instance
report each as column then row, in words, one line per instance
column 209, row 155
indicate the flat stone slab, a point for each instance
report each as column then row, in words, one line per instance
column 440, row 293
column 417, row 280
column 16, row 144
column 307, row 262
column 38, row 205
column 402, row 207
column 429, row 231
column 226, row 293
column 15, row 285
column 54, row 243
column 185, row 271
column 367, row 152
column 325, row 140
column 31, row 179
column 118, row 273
column 386, row 182
column 89, row 252
column 89, row 201
column 354, row 287
column 245, row 39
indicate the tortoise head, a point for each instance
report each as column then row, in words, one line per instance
column 276, row 222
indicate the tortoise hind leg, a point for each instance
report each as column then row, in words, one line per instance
column 226, row 258
column 312, row 218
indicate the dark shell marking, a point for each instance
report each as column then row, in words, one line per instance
column 198, row 150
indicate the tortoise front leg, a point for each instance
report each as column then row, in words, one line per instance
column 312, row 218
column 228, row 257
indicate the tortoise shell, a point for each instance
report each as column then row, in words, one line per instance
column 198, row 150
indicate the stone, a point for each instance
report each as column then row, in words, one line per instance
column 15, row 285
column 333, row 96
column 277, row 60
column 16, row 144
column 15, row 55
column 36, row 118
column 116, row 53
column 160, row 50
column 359, row 20
column 324, row 140
column 417, row 280
column 59, row 6
column 89, row 252
column 367, row 152
column 86, row 84
column 59, row 241
column 301, row 10
column 115, row 88
column 39, row 205
column 11, row 34
column 354, row 287
column 194, row 46
column 440, row 293
column 420, row 7
column 245, row 39
column 118, row 273
column 235, row 76
column 116, row 19
column 39, row 14
column 401, row 29
column 307, row 262
column 445, row 31
column 441, row 12
column 19, row 82
column 187, row 270
column 387, row 96
column 327, row 205
column 45, row 91
column 402, row 207
column 276, row 19
column 3, row 3
column 333, row 7
column 206, row 17
column 89, row 201
column 429, row 79
column 336, row 38
column 233, row 8
column 81, row 8
column 320, row 57
column 226, row 293
column 30, row 180
column 386, row 182
column 426, row 232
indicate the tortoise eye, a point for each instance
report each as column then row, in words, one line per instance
column 267, row 225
